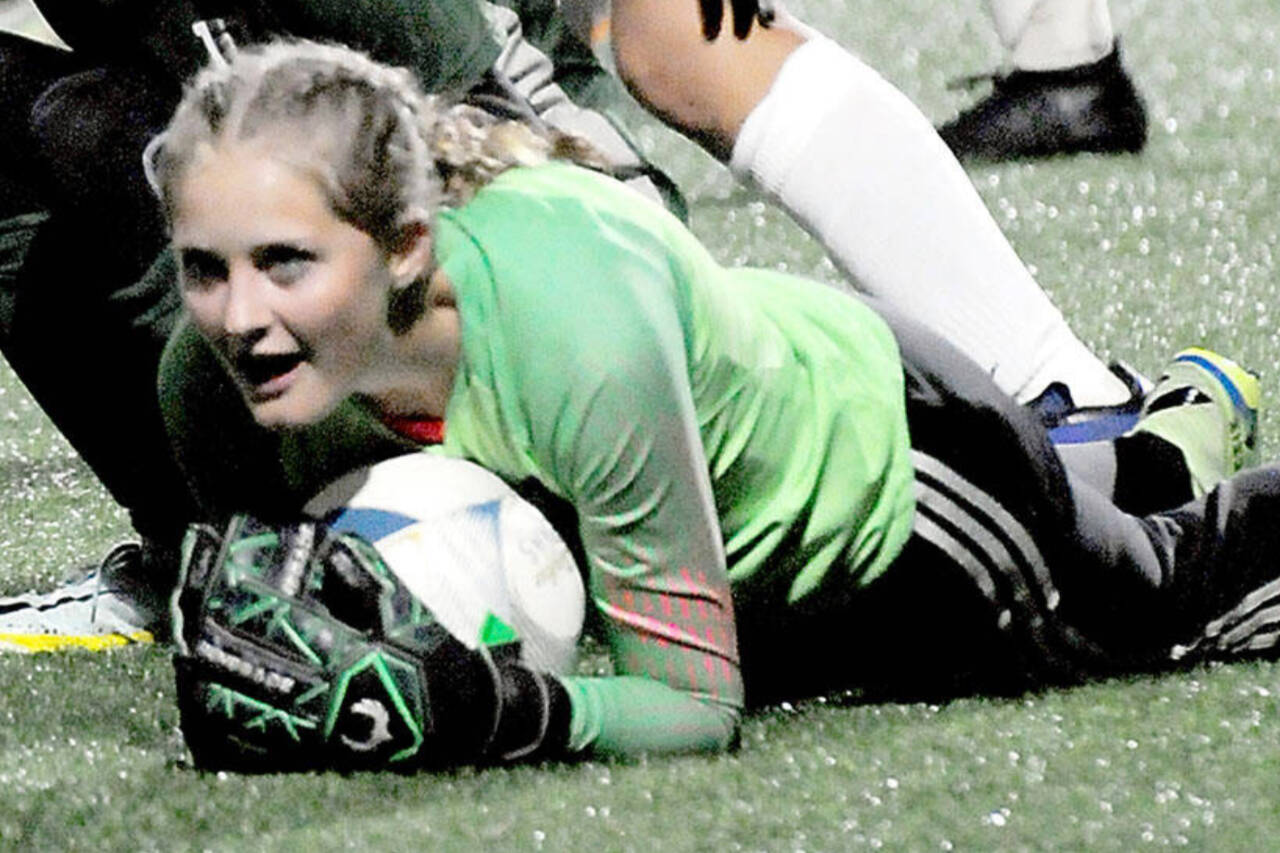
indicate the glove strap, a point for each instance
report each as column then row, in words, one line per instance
column 535, row 716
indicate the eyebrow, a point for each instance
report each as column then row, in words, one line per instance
column 280, row 251
column 196, row 255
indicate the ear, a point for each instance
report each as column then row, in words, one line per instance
column 410, row 257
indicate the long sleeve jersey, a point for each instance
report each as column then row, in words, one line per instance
column 734, row 441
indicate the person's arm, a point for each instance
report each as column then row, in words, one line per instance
column 628, row 445
column 591, row 372
column 613, row 419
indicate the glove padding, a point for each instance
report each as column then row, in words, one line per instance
column 744, row 13
column 300, row 649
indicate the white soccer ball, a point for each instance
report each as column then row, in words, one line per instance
column 479, row 556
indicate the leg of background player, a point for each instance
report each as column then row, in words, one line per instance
column 62, row 276
column 27, row 69
column 64, row 270
column 1045, row 35
column 86, row 337
column 859, row 166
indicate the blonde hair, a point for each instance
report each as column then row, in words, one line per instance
column 384, row 152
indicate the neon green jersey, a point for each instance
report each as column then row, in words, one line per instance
column 732, row 440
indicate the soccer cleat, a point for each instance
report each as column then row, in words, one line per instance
column 1068, row 423
column 1092, row 107
column 112, row 605
column 1205, row 405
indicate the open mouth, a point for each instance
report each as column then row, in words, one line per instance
column 267, row 375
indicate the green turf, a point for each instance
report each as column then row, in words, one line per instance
column 1145, row 254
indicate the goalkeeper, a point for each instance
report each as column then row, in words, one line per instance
column 773, row 495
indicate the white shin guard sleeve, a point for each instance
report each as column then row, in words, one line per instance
column 859, row 166
column 1046, row 35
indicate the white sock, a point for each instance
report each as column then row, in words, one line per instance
column 1044, row 35
column 862, row 169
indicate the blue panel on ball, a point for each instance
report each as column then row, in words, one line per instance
column 372, row 524
column 489, row 511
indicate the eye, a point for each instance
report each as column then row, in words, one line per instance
column 201, row 269
column 283, row 263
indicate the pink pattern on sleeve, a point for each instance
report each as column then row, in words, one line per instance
column 676, row 627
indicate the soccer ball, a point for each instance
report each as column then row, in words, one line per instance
column 484, row 561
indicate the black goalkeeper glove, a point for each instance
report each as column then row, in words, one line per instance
column 300, row 649
column 744, row 12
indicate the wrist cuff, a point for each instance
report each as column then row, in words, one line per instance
column 535, row 716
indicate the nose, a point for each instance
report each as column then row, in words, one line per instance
column 246, row 310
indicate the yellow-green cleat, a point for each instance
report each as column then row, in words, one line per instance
column 1206, row 405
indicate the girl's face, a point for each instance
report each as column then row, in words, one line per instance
column 291, row 297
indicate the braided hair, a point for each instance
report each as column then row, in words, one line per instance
column 383, row 151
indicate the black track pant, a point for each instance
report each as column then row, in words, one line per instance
column 84, row 324
column 1016, row 576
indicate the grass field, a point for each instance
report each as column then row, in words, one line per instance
column 1146, row 254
